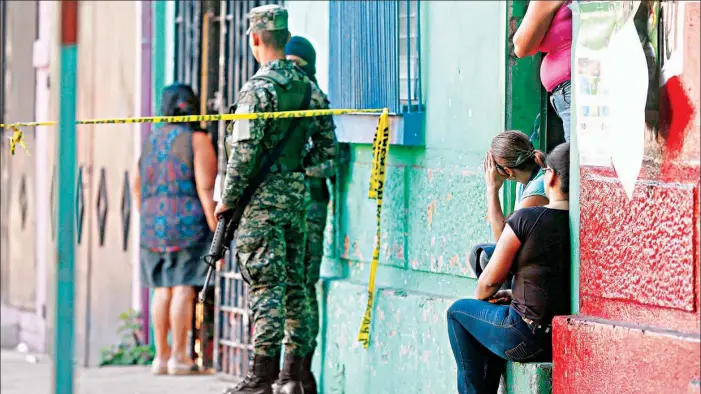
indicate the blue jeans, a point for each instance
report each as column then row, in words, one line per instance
column 560, row 99
column 483, row 335
column 479, row 258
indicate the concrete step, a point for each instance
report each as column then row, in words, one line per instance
column 592, row 355
column 529, row 378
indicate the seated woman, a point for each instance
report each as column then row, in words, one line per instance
column 511, row 156
column 535, row 245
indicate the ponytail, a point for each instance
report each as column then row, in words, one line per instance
column 559, row 161
column 539, row 158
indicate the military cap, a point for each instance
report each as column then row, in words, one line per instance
column 267, row 17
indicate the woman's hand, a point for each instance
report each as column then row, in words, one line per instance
column 502, row 297
column 492, row 176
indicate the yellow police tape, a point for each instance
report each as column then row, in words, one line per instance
column 380, row 149
column 17, row 137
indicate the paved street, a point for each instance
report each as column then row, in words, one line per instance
column 19, row 376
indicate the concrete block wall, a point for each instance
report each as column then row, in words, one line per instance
column 638, row 330
column 409, row 350
column 433, row 214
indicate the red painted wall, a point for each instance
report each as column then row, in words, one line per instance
column 600, row 358
column 640, row 257
column 639, row 330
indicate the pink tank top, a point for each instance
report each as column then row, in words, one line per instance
column 557, row 45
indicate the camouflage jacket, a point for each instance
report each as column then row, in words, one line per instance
column 250, row 139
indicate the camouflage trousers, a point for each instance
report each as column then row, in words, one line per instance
column 270, row 245
column 316, row 223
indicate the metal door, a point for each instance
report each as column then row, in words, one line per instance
column 18, row 178
column 106, row 88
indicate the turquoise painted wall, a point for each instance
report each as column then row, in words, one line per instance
column 434, row 210
column 159, row 69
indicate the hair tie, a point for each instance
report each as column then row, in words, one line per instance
column 520, row 160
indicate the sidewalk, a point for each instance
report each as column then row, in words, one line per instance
column 19, row 376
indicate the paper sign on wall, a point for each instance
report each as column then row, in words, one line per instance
column 624, row 74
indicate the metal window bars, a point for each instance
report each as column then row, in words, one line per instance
column 375, row 55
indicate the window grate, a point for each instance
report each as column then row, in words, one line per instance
column 188, row 41
column 375, row 55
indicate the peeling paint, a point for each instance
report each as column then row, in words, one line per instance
column 356, row 252
column 346, row 247
column 399, row 251
column 429, row 215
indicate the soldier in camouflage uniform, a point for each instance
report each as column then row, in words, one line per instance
column 270, row 242
column 301, row 51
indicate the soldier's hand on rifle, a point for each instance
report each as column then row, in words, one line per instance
column 220, row 209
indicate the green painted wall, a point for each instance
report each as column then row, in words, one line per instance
column 434, row 212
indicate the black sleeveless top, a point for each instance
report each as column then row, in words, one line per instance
column 541, row 287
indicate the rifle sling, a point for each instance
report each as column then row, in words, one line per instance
column 264, row 169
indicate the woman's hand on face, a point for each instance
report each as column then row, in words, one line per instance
column 492, row 176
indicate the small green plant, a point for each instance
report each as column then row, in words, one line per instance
column 130, row 350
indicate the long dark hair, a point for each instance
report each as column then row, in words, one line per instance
column 179, row 99
column 559, row 161
column 512, row 149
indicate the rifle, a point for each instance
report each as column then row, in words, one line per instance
column 229, row 221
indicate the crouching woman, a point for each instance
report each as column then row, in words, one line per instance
column 515, row 324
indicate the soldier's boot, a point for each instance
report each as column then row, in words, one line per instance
column 289, row 380
column 260, row 378
column 307, row 377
